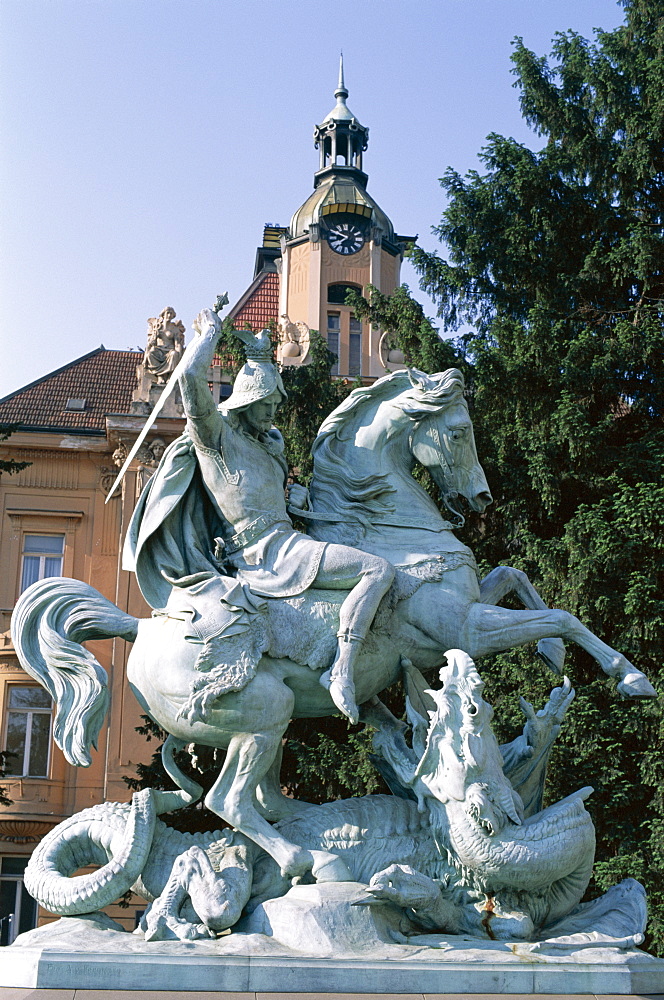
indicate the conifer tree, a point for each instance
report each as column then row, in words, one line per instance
column 555, row 258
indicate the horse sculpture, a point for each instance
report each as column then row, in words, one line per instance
column 363, row 492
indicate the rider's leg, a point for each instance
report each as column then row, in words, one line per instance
column 370, row 577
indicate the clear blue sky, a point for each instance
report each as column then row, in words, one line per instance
column 146, row 142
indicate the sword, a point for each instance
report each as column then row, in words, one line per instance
column 222, row 300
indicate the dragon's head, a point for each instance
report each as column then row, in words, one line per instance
column 459, row 756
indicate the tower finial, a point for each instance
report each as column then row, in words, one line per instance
column 341, row 88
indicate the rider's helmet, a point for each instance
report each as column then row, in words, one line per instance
column 259, row 376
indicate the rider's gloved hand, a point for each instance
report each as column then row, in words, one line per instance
column 297, row 496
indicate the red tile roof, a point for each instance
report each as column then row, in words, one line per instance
column 261, row 305
column 104, row 379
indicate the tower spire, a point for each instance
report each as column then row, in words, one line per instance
column 341, row 138
column 341, row 88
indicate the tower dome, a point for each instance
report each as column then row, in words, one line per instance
column 340, row 184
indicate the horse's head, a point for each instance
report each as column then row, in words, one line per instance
column 442, row 439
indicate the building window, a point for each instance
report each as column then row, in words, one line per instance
column 27, row 732
column 337, row 293
column 42, row 557
column 355, row 347
column 18, row 910
column 333, row 329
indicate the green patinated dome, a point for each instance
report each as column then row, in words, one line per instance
column 339, row 194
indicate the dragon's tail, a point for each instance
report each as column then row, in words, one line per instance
column 50, row 621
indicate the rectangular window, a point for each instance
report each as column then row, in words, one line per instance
column 42, row 557
column 18, row 910
column 355, row 347
column 333, row 330
column 28, row 732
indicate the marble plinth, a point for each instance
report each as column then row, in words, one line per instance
column 91, row 953
column 89, row 971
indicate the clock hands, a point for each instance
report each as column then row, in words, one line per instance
column 345, row 238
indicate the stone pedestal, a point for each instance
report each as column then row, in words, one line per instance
column 274, row 953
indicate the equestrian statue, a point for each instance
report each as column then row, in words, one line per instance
column 255, row 622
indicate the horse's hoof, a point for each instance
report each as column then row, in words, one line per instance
column 330, row 868
column 552, row 652
column 299, row 863
column 636, row 685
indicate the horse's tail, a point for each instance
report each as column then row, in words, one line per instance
column 50, row 621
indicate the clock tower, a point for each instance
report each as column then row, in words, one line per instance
column 338, row 239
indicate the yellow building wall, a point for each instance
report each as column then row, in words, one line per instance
column 62, row 492
column 312, row 267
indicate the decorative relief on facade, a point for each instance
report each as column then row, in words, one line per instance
column 148, row 454
column 299, row 268
column 120, row 454
column 148, row 457
column 48, row 469
column 23, row 831
column 107, row 476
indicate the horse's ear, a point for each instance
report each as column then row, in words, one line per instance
column 420, row 380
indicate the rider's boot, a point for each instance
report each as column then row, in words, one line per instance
column 338, row 680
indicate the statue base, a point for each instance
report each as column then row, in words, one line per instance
column 293, row 945
column 154, row 968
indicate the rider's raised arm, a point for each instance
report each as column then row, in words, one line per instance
column 203, row 419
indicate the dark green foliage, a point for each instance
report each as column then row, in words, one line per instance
column 202, row 765
column 326, row 759
column 557, row 259
column 230, row 349
column 408, row 329
column 4, row 798
column 312, row 394
column 9, row 465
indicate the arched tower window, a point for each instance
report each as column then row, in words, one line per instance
column 337, row 293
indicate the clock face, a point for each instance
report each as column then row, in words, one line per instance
column 345, row 237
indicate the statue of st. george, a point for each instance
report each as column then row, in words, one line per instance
column 239, row 456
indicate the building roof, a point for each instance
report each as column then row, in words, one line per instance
column 259, row 304
column 104, row 380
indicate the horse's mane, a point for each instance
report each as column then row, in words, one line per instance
column 335, row 485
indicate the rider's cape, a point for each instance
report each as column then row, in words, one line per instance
column 167, row 546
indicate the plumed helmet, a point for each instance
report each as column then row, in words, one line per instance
column 259, row 377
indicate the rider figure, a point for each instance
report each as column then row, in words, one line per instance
column 240, row 455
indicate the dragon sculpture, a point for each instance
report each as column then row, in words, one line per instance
column 463, row 844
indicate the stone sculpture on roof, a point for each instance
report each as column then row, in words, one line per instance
column 163, row 351
column 165, row 344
